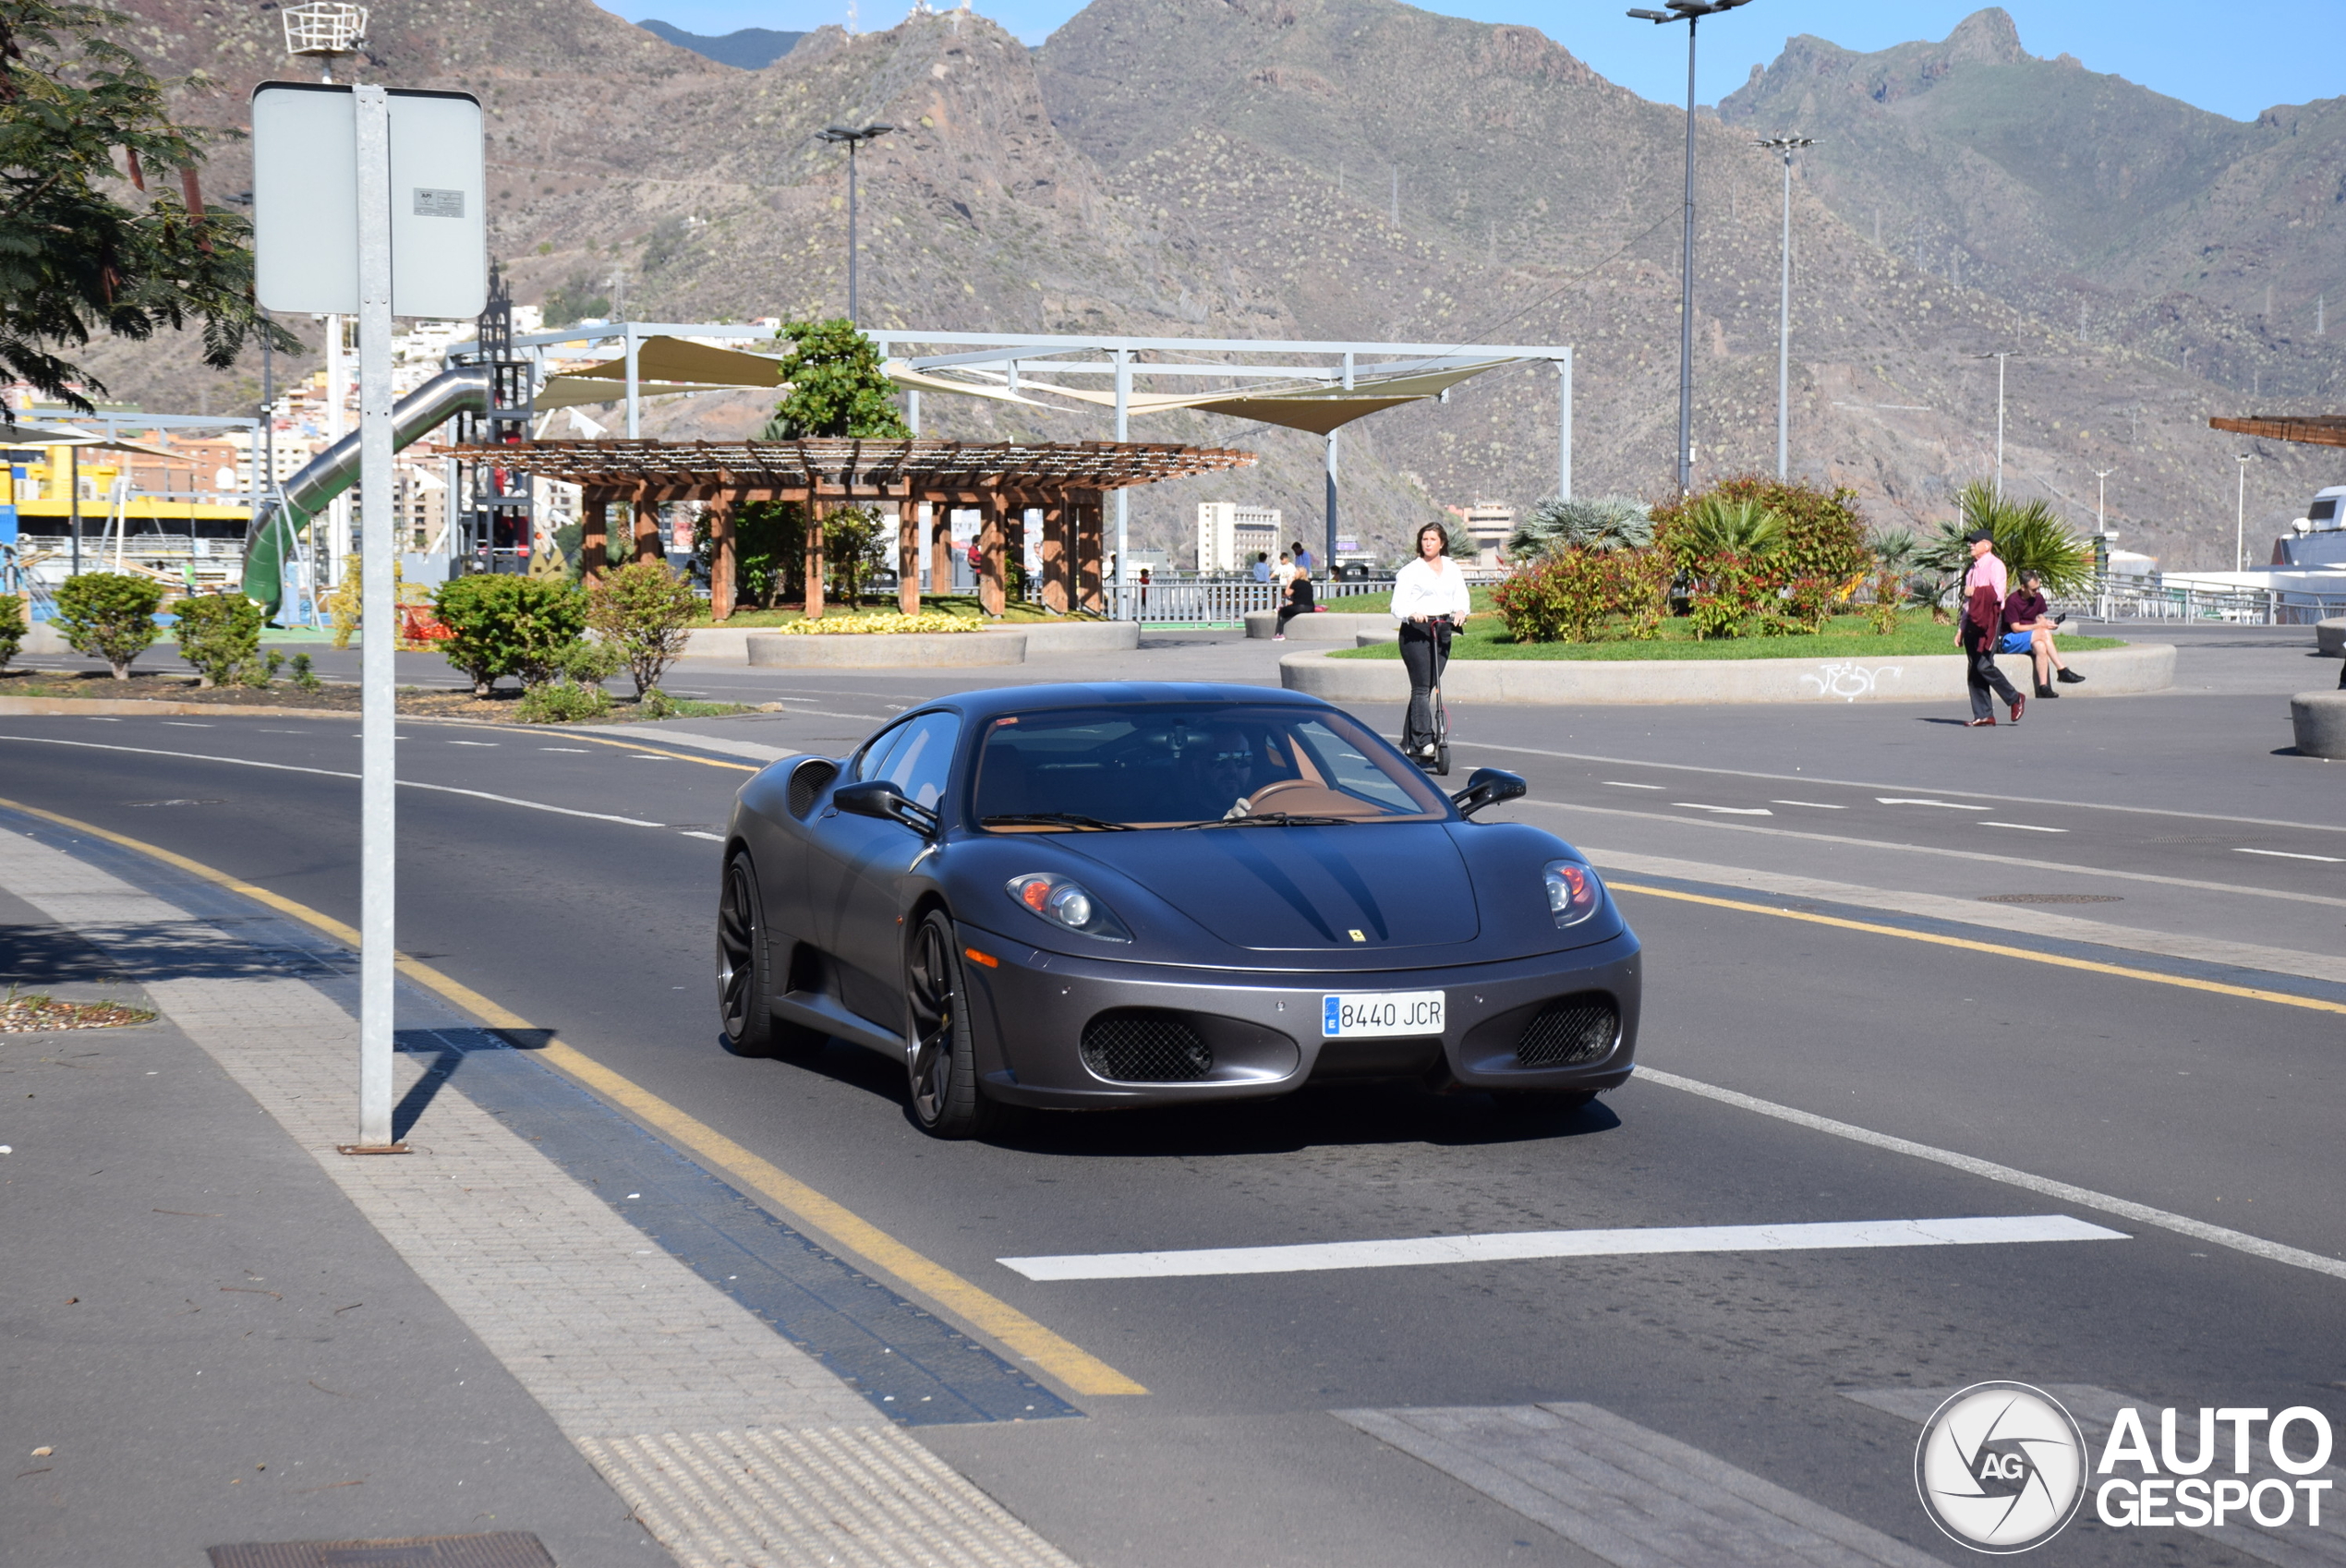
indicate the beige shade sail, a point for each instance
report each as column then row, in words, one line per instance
column 578, row 392
column 1296, row 406
column 681, row 359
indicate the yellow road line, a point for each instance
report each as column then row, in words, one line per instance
column 2058, row 960
column 1078, row 1368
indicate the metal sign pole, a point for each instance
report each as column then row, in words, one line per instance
column 379, row 755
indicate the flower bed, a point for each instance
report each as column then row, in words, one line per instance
column 876, row 625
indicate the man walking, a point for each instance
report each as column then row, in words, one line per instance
column 1982, row 628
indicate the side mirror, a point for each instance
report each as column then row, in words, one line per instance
column 1487, row 787
column 880, row 798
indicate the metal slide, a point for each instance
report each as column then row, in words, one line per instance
column 309, row 491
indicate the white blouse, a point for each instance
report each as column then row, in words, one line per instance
column 1417, row 590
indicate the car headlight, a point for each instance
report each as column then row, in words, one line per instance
column 1574, row 892
column 1066, row 903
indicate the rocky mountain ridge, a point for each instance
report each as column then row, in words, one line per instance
column 1325, row 168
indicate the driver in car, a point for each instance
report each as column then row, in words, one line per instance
column 1228, row 764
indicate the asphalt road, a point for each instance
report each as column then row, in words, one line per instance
column 2210, row 1105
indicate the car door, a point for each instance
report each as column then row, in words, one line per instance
column 868, row 859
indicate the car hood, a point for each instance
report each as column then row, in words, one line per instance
column 1370, row 888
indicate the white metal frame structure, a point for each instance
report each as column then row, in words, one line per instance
column 1002, row 355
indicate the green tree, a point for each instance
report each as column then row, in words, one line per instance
column 502, row 624
column 79, row 254
column 109, row 615
column 836, row 387
column 12, row 626
column 643, row 609
column 219, row 633
column 855, row 540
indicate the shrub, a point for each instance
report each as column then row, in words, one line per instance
column 501, row 624
column 109, row 615
column 12, row 626
column 1585, row 596
column 1824, row 535
column 260, row 672
column 562, row 701
column 1608, row 523
column 643, row 609
column 1884, row 613
column 303, row 675
column 342, row 604
column 217, row 634
column 1727, row 598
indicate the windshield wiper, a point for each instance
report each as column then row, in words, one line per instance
column 1055, row 820
column 1276, row 819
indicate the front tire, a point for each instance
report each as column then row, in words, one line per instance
column 946, row 1098
column 744, row 973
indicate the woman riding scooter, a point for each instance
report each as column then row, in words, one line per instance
column 1430, row 601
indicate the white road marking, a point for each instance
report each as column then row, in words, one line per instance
column 1314, row 1256
column 2286, row 855
column 2085, row 1197
column 472, row 743
column 575, row 751
column 695, row 833
column 1725, row 811
column 337, row 772
column 1920, row 801
column 285, row 731
column 1977, row 856
column 648, row 756
column 1876, row 784
column 97, row 718
column 182, row 724
column 1628, row 1495
column 1624, row 784
column 2024, row 826
column 1813, row 805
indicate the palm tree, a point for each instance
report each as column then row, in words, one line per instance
column 1715, row 527
column 2028, row 535
column 1608, row 523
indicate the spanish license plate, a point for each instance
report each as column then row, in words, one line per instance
column 1374, row 1015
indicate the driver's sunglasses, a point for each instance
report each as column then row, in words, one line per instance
column 1232, row 759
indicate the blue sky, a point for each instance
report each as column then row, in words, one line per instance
column 2234, row 61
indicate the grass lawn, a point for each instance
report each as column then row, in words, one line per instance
column 1845, row 637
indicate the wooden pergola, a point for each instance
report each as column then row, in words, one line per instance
column 1065, row 480
column 2311, row 430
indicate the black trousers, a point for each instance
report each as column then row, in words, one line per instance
column 1982, row 676
column 1289, row 611
column 1424, row 655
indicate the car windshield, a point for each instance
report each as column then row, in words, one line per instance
column 1173, row 765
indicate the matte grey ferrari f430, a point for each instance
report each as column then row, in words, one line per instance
column 1090, row 898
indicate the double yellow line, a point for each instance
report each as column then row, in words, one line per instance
column 847, row 1232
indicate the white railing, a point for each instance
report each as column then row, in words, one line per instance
column 1216, row 602
column 2115, row 601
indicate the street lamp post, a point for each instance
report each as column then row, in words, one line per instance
column 854, row 137
column 1785, row 145
column 2240, row 521
column 1691, row 12
column 2000, row 356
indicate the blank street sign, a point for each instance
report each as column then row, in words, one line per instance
column 305, row 201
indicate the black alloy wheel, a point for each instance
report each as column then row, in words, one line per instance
column 946, row 1099
column 744, row 973
column 741, row 962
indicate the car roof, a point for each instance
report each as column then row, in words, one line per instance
column 998, row 700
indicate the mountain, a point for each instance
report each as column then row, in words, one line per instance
column 2079, row 197
column 1351, row 169
column 748, row 49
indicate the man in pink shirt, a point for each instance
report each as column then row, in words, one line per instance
column 1982, row 626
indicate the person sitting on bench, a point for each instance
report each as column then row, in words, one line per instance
column 2028, row 630
column 1300, row 601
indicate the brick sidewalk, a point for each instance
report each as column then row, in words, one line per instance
column 729, row 1443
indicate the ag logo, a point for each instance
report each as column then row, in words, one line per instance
column 2001, row 1467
